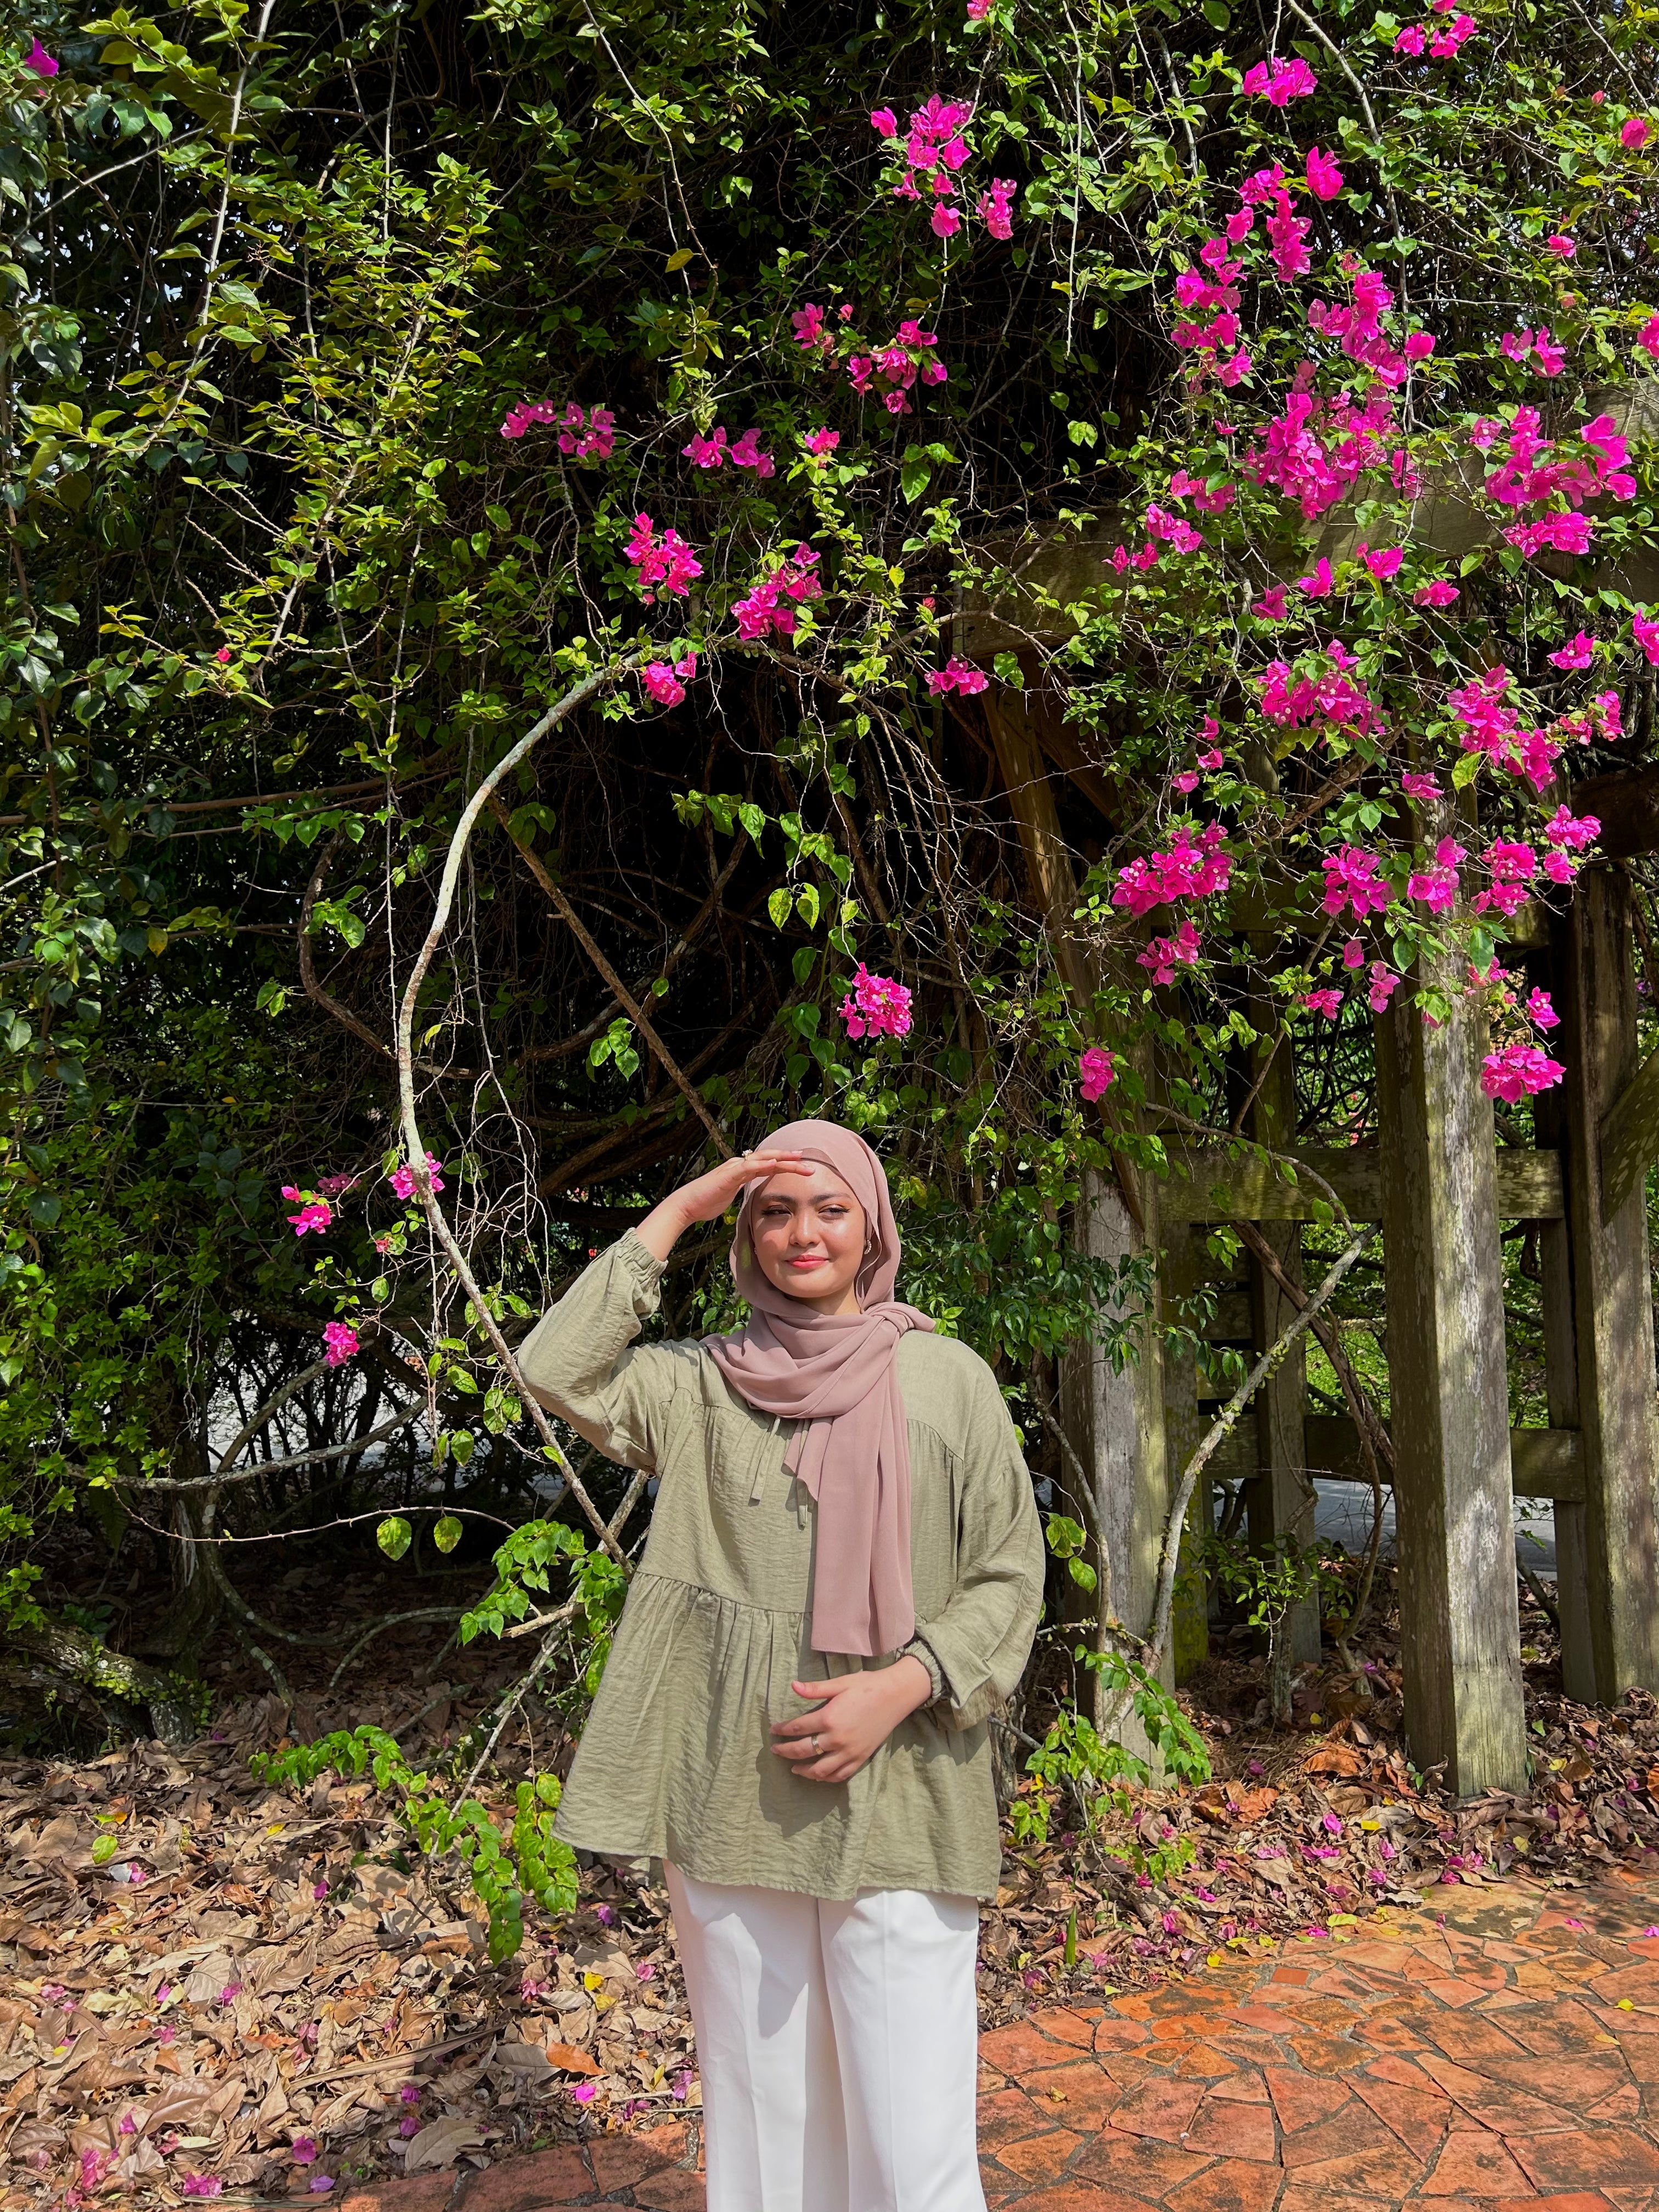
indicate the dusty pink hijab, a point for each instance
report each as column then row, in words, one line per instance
column 835, row 1373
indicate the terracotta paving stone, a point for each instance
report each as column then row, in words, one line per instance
column 1040, row 2158
column 1241, row 2088
column 1163, row 2108
column 1074, row 2197
column 1328, row 2054
column 1388, row 2172
column 1081, row 2094
column 1419, row 2121
column 1112, row 2034
column 1405, row 2073
column 1139, row 2164
column 673, row 2190
column 1355, row 2128
column 1475, row 2165
column 1022, row 2049
column 618, row 2161
column 1611, row 2154
column 1510, row 2112
column 1235, row 2130
column 1233, row 2186
column 543, row 2177
column 1006, row 2116
column 1471, row 2038
column 1065, row 2026
column 1301, row 2102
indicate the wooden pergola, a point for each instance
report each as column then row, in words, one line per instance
column 1440, row 1186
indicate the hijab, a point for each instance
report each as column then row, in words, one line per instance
column 835, row 1373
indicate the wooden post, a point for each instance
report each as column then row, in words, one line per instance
column 1280, row 1502
column 1561, row 1395
column 1180, row 1278
column 1115, row 1422
column 1612, row 1294
column 1460, row 1624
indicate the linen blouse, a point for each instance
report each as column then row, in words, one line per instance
column 676, row 1759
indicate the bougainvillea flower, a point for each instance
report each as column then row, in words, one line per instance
column 1353, row 953
column 662, row 683
column 1328, row 1002
column 403, row 1178
column 1563, row 248
column 1436, row 594
column 1281, row 82
column 1437, row 886
column 1412, row 40
column 1165, row 954
column 1577, row 653
column 822, row 443
column 957, row 674
column 526, row 411
column 876, row 1005
column 1518, row 1072
column 1646, row 632
column 1096, row 1073
column 303, row 2150
column 315, row 1215
column 746, row 454
column 591, row 441
column 1381, row 987
column 1633, row 133
column 884, row 122
column 1353, row 879
column 1324, row 177
column 39, row 60
column 1572, row 831
column 1542, row 1010
column 1416, row 785
column 995, row 207
column 668, row 562
column 1384, row 564
column 341, row 1339
column 708, row 453
column 1271, row 606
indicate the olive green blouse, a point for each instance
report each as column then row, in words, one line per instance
column 676, row 1760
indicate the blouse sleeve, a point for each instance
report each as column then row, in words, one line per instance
column 981, row 1639
column 580, row 1360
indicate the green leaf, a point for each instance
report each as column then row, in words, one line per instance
column 678, row 261
column 806, row 904
column 915, row 472
column 778, row 907
column 446, row 1533
column 394, row 1535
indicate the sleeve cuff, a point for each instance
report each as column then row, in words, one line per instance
column 641, row 1261
column 918, row 1649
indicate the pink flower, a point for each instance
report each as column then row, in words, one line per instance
column 403, row 1178
column 1420, row 345
column 876, row 1005
column 1165, row 954
column 1446, row 43
column 1353, row 954
column 995, row 207
column 315, row 1217
column 1411, row 40
column 1326, row 1002
column 885, row 122
column 201, row 2184
column 1385, row 565
column 978, row 10
column 663, row 685
column 1211, row 761
column 1318, row 586
column 1281, row 82
column 303, row 2150
column 1271, row 606
column 1648, row 336
column 599, row 440
column 321, row 2184
column 1519, row 1071
column 1577, row 653
column 585, row 2091
column 341, row 1339
column 747, row 454
column 1436, row 594
column 1633, row 133
column 1562, row 248
column 1542, row 1011
column 667, row 562
column 957, row 675
column 222, row 656
column 822, row 443
column 1187, row 782
column 1382, row 986
column 1096, row 1073
column 410, row 2093
column 1437, row 886
column 1646, row 632
column 1416, row 785
column 1324, row 177
column 811, row 336
column 40, row 61
column 524, row 413
column 1559, row 533
column 706, row 453
column 1353, row 879
column 1572, row 831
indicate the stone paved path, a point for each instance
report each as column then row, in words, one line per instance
column 1496, row 2051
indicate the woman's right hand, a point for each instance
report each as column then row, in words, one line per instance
column 709, row 1196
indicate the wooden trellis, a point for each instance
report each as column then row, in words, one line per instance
column 1440, row 1186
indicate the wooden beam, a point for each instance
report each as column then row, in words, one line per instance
column 1572, row 1591
column 1207, row 1184
column 1611, row 1289
column 1460, row 1624
column 1630, row 1135
column 1625, row 802
column 1543, row 1463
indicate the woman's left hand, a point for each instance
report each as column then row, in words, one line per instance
column 855, row 1715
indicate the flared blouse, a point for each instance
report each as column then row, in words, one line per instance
column 675, row 1761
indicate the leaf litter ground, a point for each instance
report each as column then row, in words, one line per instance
column 265, row 1996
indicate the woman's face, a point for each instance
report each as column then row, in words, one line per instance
column 809, row 1234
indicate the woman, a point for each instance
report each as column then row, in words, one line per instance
column 841, row 1582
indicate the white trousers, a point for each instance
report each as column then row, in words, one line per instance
column 838, row 2046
